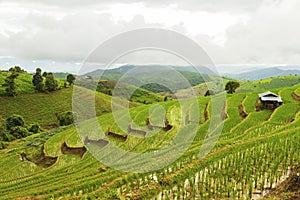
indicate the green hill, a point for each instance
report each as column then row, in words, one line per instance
column 270, row 83
column 24, row 82
column 246, row 86
column 255, row 150
column 139, row 95
column 41, row 107
column 144, row 75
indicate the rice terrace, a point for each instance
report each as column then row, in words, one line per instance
column 149, row 100
column 43, row 156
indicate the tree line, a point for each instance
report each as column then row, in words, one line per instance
column 45, row 82
column 50, row 84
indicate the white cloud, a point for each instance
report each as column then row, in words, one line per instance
column 232, row 31
column 271, row 36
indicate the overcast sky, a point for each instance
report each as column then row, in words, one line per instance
column 60, row 34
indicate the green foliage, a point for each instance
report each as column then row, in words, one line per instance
column 156, row 88
column 16, row 69
column 37, row 80
column 269, row 84
column 51, row 84
column 231, row 86
column 14, row 121
column 70, row 79
column 250, row 154
column 19, row 132
column 65, row 118
column 40, row 107
column 216, row 85
column 23, row 82
column 139, row 95
column 145, row 97
column 194, row 78
column 3, row 144
column 15, row 128
column 10, row 84
column 34, row 128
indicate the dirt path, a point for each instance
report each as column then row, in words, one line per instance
column 295, row 96
column 289, row 189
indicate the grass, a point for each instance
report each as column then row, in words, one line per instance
column 269, row 84
column 24, row 83
column 41, row 108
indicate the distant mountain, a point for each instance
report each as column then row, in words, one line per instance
column 148, row 75
column 118, row 72
column 60, row 75
column 263, row 74
column 94, row 74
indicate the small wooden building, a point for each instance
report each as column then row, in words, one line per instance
column 269, row 100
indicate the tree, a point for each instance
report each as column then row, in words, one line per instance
column 37, row 80
column 231, row 86
column 14, row 121
column 70, row 79
column 16, row 69
column 10, row 84
column 51, row 84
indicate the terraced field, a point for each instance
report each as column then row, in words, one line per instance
column 254, row 153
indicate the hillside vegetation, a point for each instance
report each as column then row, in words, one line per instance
column 255, row 151
column 145, row 75
column 270, row 83
column 24, row 82
column 139, row 95
column 41, row 107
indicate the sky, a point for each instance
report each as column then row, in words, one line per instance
column 59, row 35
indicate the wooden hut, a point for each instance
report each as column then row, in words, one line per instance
column 269, row 100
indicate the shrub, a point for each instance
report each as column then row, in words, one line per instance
column 65, row 118
column 70, row 79
column 10, row 84
column 19, row 132
column 51, row 84
column 34, row 128
column 14, row 121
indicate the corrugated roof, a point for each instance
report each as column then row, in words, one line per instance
column 267, row 93
column 278, row 99
column 266, row 97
